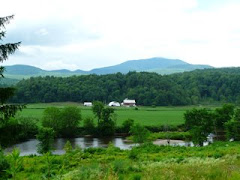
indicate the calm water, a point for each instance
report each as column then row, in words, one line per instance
column 30, row 146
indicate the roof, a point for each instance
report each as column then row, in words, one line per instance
column 87, row 103
column 114, row 103
column 129, row 101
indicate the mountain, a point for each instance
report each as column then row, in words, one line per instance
column 139, row 65
column 22, row 70
column 159, row 65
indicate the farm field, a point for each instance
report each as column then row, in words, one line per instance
column 149, row 116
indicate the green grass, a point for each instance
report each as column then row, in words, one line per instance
column 149, row 116
column 218, row 161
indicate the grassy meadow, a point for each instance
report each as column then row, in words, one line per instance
column 150, row 116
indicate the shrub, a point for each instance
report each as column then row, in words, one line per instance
column 15, row 162
column 51, row 119
column 106, row 126
column 111, row 149
column 133, row 154
column 120, row 166
column 68, row 147
column 127, row 125
column 88, row 125
column 70, row 118
column 136, row 177
column 45, row 136
column 4, row 165
column 140, row 134
column 18, row 129
column 28, row 126
column 64, row 122
column 170, row 135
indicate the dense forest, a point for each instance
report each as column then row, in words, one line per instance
column 196, row 87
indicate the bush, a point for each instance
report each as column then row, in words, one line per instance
column 140, row 133
column 162, row 128
column 136, row 177
column 64, row 122
column 68, row 147
column 106, row 126
column 28, row 126
column 170, row 135
column 70, row 119
column 16, row 163
column 18, row 129
column 120, row 166
column 133, row 154
column 92, row 150
column 127, row 125
column 89, row 127
column 4, row 165
column 45, row 136
column 51, row 119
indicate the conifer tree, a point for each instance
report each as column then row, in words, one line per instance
column 6, row 49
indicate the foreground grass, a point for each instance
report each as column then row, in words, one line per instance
column 148, row 116
column 217, row 161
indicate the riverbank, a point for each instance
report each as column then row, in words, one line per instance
column 220, row 160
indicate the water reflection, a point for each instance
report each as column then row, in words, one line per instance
column 30, row 146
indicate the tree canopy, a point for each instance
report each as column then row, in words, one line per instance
column 148, row 89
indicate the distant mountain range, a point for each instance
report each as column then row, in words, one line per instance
column 158, row 65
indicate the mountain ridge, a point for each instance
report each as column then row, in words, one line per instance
column 156, row 64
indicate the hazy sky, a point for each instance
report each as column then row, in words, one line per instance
column 85, row 34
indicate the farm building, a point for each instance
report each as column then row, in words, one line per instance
column 114, row 103
column 128, row 102
column 87, row 103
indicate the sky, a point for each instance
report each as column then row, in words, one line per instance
column 87, row 34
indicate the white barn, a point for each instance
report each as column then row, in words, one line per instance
column 87, row 103
column 114, row 103
column 129, row 102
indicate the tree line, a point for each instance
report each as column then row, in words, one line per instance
column 224, row 122
column 196, row 87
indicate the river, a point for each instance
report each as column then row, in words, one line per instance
column 30, row 147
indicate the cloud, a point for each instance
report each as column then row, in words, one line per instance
column 42, row 32
column 89, row 34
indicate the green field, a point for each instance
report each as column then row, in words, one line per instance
column 144, row 115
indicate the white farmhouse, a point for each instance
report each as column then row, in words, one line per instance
column 87, row 103
column 114, row 103
column 129, row 102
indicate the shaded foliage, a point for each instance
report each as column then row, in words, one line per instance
column 127, row 125
column 196, row 87
column 107, row 123
column 45, row 137
column 4, row 165
column 89, row 127
column 200, row 123
column 18, row 129
column 64, row 121
column 7, row 111
column 139, row 133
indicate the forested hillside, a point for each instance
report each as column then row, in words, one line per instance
column 196, row 87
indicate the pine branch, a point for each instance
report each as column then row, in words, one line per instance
column 8, row 110
column 5, row 20
column 7, row 49
column 2, row 69
column 2, row 34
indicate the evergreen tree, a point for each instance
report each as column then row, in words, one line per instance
column 6, row 110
